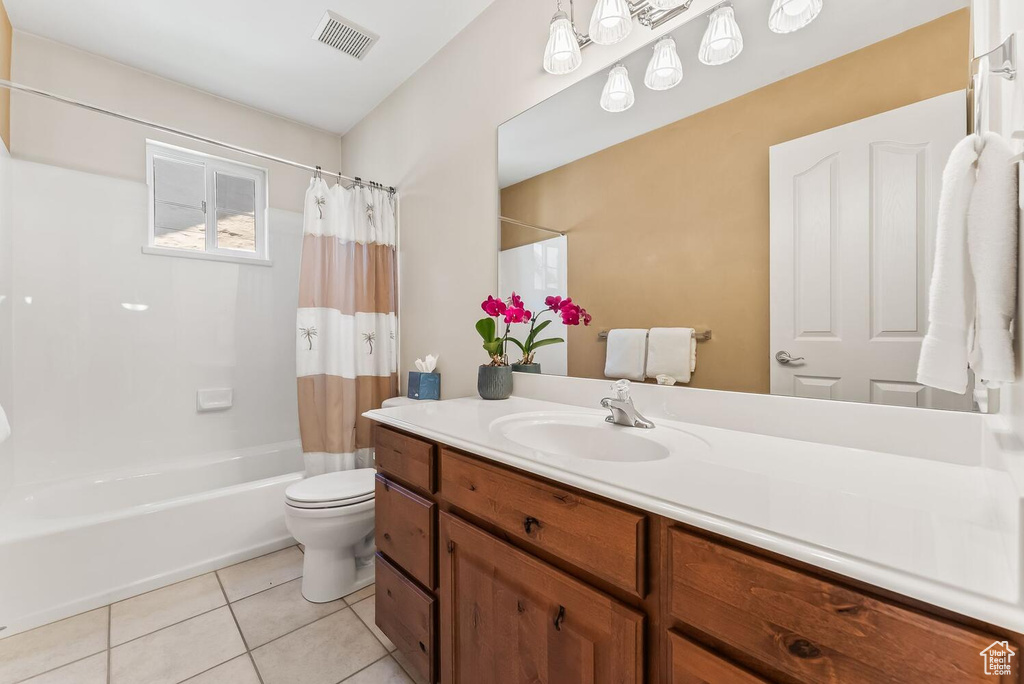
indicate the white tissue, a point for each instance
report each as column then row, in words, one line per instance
column 427, row 365
column 666, row 380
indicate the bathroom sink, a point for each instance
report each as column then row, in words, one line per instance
column 590, row 437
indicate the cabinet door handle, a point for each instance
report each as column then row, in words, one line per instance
column 560, row 618
column 529, row 523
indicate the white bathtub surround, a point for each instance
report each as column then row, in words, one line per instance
column 346, row 338
column 5, row 427
column 81, row 543
column 833, row 503
column 245, row 623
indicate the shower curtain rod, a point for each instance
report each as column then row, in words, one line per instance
column 192, row 136
column 524, row 224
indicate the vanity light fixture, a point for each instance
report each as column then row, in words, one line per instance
column 617, row 95
column 611, row 22
column 665, row 4
column 723, row 41
column 787, row 16
column 665, row 70
column 562, row 54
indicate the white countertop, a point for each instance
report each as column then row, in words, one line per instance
column 926, row 529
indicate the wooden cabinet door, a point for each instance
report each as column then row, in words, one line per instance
column 508, row 618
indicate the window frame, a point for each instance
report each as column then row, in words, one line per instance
column 212, row 165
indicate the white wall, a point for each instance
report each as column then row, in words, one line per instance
column 94, row 386
column 436, row 139
column 6, row 319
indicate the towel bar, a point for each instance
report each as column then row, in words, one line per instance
column 701, row 335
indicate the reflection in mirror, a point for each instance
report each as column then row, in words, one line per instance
column 785, row 201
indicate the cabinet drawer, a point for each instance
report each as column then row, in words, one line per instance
column 405, row 458
column 508, row 617
column 811, row 629
column 407, row 616
column 604, row 540
column 405, row 529
column 694, row 664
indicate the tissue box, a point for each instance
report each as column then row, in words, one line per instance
column 424, row 385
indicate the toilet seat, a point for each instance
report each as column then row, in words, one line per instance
column 332, row 490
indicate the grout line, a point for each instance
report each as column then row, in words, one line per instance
column 54, row 669
column 173, row 624
column 255, row 667
column 110, row 636
column 367, row 624
column 306, row 625
column 238, row 627
column 366, row 667
column 214, row 667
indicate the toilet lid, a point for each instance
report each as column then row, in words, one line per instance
column 333, row 489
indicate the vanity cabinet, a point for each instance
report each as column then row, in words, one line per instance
column 490, row 575
column 508, row 617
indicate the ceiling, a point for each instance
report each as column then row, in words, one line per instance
column 571, row 125
column 258, row 52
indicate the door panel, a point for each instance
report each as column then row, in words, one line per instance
column 853, row 218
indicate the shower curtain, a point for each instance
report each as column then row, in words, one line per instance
column 346, row 350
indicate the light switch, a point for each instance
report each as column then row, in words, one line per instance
column 214, row 400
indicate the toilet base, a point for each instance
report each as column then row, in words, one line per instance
column 329, row 574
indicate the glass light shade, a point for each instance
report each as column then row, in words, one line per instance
column 787, row 16
column 723, row 41
column 562, row 53
column 617, row 95
column 664, row 70
column 665, row 4
column 611, row 22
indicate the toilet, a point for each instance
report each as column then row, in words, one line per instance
column 332, row 516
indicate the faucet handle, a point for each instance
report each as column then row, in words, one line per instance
column 621, row 388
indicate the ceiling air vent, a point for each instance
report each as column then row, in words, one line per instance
column 342, row 34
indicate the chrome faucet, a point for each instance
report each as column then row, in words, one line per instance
column 622, row 408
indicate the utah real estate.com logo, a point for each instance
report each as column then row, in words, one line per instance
column 997, row 659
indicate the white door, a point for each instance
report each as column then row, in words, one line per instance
column 535, row 272
column 853, row 217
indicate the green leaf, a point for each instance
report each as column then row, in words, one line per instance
column 518, row 344
column 544, row 343
column 535, row 332
column 493, row 348
column 488, row 330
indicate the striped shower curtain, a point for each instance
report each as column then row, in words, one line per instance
column 346, row 351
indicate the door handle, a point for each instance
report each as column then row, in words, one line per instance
column 784, row 358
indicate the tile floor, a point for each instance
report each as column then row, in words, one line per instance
column 245, row 624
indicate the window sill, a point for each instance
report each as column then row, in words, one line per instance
column 206, row 256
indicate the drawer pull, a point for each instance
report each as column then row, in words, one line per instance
column 802, row 648
column 529, row 523
column 560, row 618
column 387, row 536
column 423, row 647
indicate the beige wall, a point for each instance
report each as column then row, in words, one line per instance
column 58, row 134
column 689, row 204
column 435, row 138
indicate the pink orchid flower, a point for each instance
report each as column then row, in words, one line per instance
column 493, row 306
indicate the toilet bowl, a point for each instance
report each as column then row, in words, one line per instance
column 332, row 517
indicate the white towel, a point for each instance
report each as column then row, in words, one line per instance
column 5, row 427
column 943, row 362
column 627, row 350
column 672, row 352
column 992, row 245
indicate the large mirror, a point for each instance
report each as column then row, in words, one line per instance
column 783, row 204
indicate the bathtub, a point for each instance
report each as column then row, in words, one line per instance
column 79, row 544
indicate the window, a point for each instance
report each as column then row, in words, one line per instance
column 205, row 207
